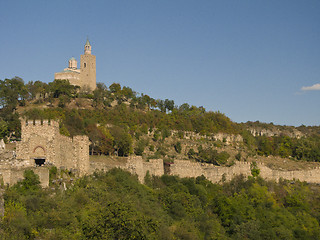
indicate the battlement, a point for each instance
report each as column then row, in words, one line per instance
column 45, row 122
column 41, row 143
column 81, row 138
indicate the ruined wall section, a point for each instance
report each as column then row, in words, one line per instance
column 137, row 165
column 220, row 136
column 274, row 131
column 81, row 154
column 311, row 176
column 133, row 164
column 184, row 168
column 65, row 152
column 11, row 175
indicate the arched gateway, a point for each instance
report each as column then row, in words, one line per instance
column 39, row 155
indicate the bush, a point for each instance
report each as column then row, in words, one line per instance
column 212, row 156
column 139, row 149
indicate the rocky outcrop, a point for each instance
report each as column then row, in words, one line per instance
column 292, row 132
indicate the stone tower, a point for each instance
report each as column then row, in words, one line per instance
column 88, row 67
column 42, row 144
column 85, row 76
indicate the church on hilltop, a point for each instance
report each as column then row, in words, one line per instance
column 85, row 76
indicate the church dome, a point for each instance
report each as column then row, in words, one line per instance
column 73, row 63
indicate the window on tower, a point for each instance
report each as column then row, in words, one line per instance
column 84, row 64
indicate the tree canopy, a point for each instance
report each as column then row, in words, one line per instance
column 114, row 205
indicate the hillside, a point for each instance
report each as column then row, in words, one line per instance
column 123, row 125
column 115, row 205
column 121, row 122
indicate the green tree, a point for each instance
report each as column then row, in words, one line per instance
column 161, row 105
column 128, row 92
column 12, row 91
column 101, row 139
column 169, row 104
column 115, row 88
column 15, row 222
column 115, row 220
column 3, row 129
column 99, row 94
column 37, row 89
column 255, row 171
column 139, row 149
column 122, row 141
column 61, row 87
column 29, row 184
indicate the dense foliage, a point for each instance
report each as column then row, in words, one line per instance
column 115, row 205
column 305, row 148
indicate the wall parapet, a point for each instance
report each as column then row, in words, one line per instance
column 215, row 174
column 185, row 168
column 45, row 122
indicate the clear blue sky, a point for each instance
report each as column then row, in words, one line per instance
column 252, row 60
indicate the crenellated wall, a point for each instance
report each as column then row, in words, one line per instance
column 42, row 140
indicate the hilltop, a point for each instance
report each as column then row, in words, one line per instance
column 222, row 194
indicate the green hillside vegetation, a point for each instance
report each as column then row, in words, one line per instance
column 114, row 205
column 118, row 119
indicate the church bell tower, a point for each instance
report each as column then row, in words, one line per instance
column 88, row 67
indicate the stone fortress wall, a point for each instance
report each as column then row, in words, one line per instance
column 42, row 145
column 185, row 168
column 133, row 164
column 41, row 140
column 11, row 175
column 12, row 170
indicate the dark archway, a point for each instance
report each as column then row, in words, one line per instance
column 39, row 161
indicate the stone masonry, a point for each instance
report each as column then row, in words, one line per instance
column 184, row 168
column 85, row 76
column 42, row 144
column 135, row 165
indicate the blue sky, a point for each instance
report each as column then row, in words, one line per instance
column 252, row 60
